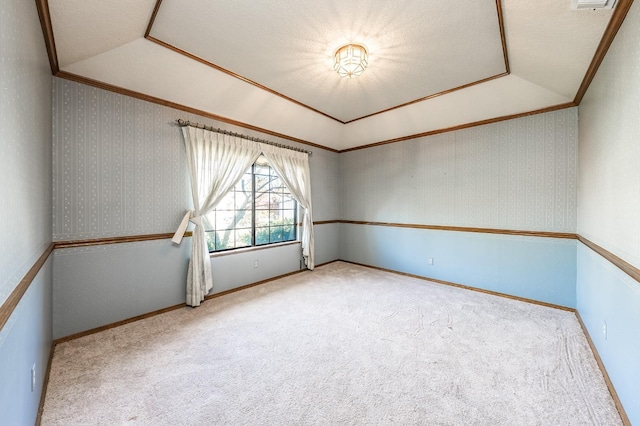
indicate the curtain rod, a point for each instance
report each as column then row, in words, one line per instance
column 184, row 123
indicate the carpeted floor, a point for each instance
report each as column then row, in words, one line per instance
column 342, row 345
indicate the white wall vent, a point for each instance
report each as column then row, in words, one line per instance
column 592, row 4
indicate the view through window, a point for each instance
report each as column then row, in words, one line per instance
column 259, row 210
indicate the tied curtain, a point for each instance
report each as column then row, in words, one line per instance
column 216, row 162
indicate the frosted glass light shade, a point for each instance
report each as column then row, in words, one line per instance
column 350, row 60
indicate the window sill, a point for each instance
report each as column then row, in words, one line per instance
column 248, row 249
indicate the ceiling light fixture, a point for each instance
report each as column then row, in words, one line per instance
column 350, row 60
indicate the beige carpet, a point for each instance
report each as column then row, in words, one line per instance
column 343, row 345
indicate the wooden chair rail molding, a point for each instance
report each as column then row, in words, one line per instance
column 9, row 305
column 115, row 240
column 14, row 298
column 466, row 229
column 623, row 265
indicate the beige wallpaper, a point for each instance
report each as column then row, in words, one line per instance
column 517, row 174
column 25, row 143
column 609, row 149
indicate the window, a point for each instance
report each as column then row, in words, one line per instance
column 259, row 210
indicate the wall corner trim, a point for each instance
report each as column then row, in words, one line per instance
column 47, row 32
column 619, row 13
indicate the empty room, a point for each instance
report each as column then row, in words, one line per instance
column 320, row 212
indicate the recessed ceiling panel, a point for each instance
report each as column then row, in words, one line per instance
column 416, row 48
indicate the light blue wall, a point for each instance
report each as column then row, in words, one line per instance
column 99, row 285
column 235, row 270
column 606, row 294
column 104, row 284
column 24, row 342
column 535, row 268
column 327, row 237
column 25, row 218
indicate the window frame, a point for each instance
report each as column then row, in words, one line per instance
column 212, row 234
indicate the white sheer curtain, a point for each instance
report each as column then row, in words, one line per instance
column 293, row 168
column 216, row 162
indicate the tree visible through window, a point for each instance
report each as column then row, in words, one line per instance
column 259, row 210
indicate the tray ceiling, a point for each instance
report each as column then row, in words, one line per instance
column 432, row 64
column 415, row 50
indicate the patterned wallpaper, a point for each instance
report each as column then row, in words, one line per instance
column 120, row 169
column 516, row 174
column 609, row 149
column 25, row 143
column 118, row 165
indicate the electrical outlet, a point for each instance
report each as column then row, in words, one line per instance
column 431, row 261
column 33, row 377
column 255, row 263
column 604, row 329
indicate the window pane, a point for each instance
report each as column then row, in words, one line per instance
column 224, row 219
column 244, row 185
column 243, row 237
column 211, row 240
column 289, row 232
column 276, row 234
column 210, row 223
column 261, row 191
column 243, row 201
column 276, row 217
column 262, row 200
column 288, row 216
column 262, row 183
column 225, row 240
column 276, row 184
column 275, row 201
column 243, row 219
column 262, row 235
column 262, row 218
column 288, row 202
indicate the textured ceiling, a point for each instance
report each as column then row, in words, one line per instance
column 268, row 63
column 83, row 29
column 416, row 48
